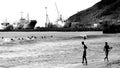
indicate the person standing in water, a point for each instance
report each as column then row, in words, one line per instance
column 84, row 53
column 107, row 48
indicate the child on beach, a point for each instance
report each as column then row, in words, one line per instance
column 84, row 53
column 107, row 48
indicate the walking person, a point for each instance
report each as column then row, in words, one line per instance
column 84, row 53
column 107, row 48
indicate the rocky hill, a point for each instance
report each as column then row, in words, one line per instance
column 105, row 9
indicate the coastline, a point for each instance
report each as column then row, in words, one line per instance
column 53, row 29
column 58, row 52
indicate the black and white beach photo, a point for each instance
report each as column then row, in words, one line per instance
column 60, row 34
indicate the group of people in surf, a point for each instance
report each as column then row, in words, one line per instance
column 21, row 38
column 17, row 38
column 106, row 49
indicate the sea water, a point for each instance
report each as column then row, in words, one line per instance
column 62, row 50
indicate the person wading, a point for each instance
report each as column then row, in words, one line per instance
column 107, row 48
column 84, row 53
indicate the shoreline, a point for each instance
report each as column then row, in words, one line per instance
column 53, row 29
column 66, row 53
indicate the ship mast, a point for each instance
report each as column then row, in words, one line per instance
column 28, row 17
column 47, row 18
column 21, row 15
column 6, row 20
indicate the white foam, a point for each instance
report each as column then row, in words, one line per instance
column 7, row 40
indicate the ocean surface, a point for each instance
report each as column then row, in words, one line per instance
column 57, row 49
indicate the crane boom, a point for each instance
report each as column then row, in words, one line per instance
column 57, row 10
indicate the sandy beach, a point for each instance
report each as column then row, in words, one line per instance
column 58, row 50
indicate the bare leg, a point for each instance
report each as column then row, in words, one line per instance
column 82, row 59
column 107, row 57
column 86, row 60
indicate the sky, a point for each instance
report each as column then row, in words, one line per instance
column 10, row 10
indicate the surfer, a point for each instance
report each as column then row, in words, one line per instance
column 2, row 37
column 85, row 37
column 107, row 48
column 84, row 53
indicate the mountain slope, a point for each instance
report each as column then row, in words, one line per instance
column 105, row 9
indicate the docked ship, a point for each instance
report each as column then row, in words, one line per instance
column 22, row 24
column 6, row 26
column 111, row 26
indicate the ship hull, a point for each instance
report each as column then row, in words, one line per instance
column 112, row 28
column 30, row 25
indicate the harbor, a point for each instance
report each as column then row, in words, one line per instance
column 60, row 34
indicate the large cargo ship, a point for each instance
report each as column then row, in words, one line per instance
column 22, row 24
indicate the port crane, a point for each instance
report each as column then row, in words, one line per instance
column 58, row 21
column 59, row 18
column 47, row 18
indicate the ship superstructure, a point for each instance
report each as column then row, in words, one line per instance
column 23, row 23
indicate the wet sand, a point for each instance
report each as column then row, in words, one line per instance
column 60, row 51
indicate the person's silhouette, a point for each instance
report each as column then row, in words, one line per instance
column 107, row 48
column 84, row 53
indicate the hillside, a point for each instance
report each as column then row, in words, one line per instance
column 105, row 9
